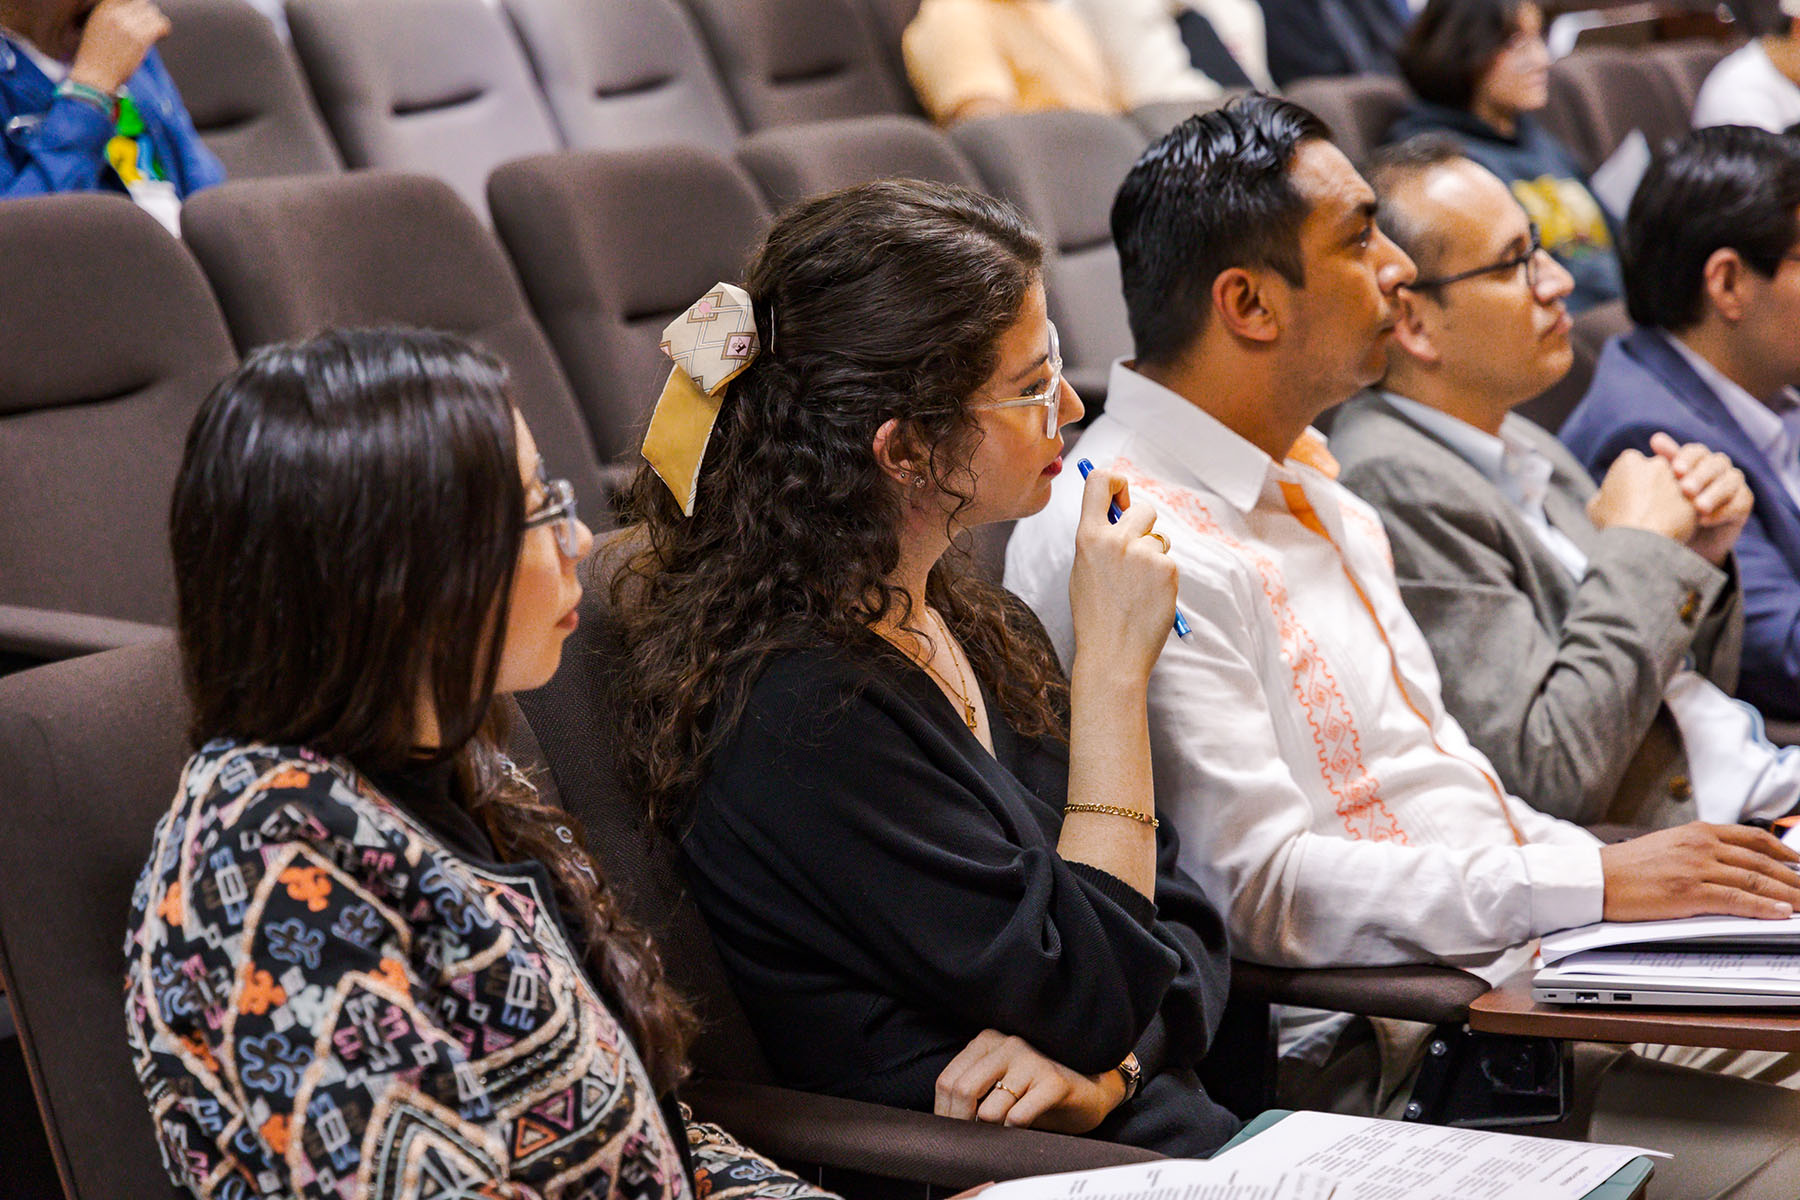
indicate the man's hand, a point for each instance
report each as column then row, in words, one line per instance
column 1698, row 870
column 119, row 34
column 1641, row 492
column 1005, row 1081
column 1717, row 490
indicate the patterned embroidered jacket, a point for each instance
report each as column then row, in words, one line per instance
column 324, row 1000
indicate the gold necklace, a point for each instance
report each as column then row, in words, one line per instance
column 962, row 693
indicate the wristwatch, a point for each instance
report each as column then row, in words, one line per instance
column 1132, row 1074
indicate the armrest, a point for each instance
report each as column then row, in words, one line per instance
column 894, row 1143
column 1436, row 995
column 1782, row 733
column 48, row 635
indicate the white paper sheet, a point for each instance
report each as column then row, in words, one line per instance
column 1173, row 1179
column 1708, row 966
column 1393, row 1160
column 1775, row 935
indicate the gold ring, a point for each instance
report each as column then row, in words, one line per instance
column 1001, row 1087
column 1159, row 537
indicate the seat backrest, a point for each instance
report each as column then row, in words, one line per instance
column 624, row 73
column 1688, row 62
column 799, row 60
column 1062, row 169
column 611, row 246
column 243, row 88
column 436, row 86
column 1158, row 118
column 1598, row 96
column 98, row 384
column 575, row 719
column 290, row 258
column 891, row 19
column 792, row 162
column 1359, row 108
column 90, row 751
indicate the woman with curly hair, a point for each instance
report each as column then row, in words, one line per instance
column 931, row 863
column 365, row 959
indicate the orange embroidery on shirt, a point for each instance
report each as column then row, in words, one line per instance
column 309, row 885
column 275, row 1133
column 290, row 778
column 1336, row 741
column 196, row 1045
column 259, row 993
column 170, row 908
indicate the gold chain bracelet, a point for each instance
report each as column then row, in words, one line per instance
column 1113, row 810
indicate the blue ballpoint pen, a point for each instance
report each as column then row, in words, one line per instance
column 1113, row 513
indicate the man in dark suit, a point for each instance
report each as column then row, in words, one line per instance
column 1712, row 279
column 1614, row 607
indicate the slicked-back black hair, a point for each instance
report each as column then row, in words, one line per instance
column 1212, row 194
column 1725, row 187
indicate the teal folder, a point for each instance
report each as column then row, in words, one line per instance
column 1627, row 1183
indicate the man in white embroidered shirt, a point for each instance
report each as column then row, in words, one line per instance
column 1338, row 813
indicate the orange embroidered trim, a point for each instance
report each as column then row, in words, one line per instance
column 1336, row 741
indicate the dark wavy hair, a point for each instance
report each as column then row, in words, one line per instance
column 1451, row 44
column 880, row 301
column 345, row 528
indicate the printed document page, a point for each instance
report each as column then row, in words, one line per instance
column 1173, row 1179
column 1392, row 1160
column 1772, row 936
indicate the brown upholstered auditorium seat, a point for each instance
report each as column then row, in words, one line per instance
column 244, row 90
column 1687, row 63
column 289, row 258
column 1160, row 117
column 1359, row 108
column 435, row 86
column 624, row 73
column 98, row 383
column 795, row 161
column 1062, row 169
column 799, row 60
column 610, row 247
column 1598, row 96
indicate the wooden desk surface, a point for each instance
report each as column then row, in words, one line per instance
column 1510, row 1009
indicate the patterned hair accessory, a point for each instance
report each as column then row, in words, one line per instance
column 710, row 344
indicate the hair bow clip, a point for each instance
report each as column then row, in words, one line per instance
column 710, row 344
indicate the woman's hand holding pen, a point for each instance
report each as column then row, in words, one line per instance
column 1122, row 586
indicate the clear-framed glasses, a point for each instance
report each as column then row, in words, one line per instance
column 558, row 512
column 1528, row 260
column 1049, row 397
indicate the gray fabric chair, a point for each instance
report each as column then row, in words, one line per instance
column 1062, row 169
column 98, row 383
column 796, row 161
column 1159, row 118
column 1599, row 96
column 289, row 258
column 786, row 61
column 610, row 247
column 435, row 86
column 243, row 88
column 1359, row 108
column 624, row 73
column 1688, row 61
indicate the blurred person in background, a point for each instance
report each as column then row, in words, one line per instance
column 980, row 58
column 87, row 105
column 1758, row 83
column 1480, row 68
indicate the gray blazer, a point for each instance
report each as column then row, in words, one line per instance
column 1558, row 681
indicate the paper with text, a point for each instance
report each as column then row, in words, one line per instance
column 1392, row 1160
column 1172, row 1179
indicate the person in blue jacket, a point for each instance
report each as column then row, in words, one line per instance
column 87, row 105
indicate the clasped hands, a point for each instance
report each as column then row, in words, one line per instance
column 1687, row 493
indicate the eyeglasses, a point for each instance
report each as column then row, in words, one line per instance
column 558, row 512
column 1050, row 396
column 1528, row 260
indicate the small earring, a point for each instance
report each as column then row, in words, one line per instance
column 918, row 481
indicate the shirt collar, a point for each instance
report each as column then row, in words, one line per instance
column 1511, row 464
column 1775, row 433
column 1190, row 439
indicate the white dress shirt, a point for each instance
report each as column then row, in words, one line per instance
column 1736, row 771
column 1331, row 806
column 1745, row 88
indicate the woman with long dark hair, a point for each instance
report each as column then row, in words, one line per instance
column 365, row 959
column 931, row 863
